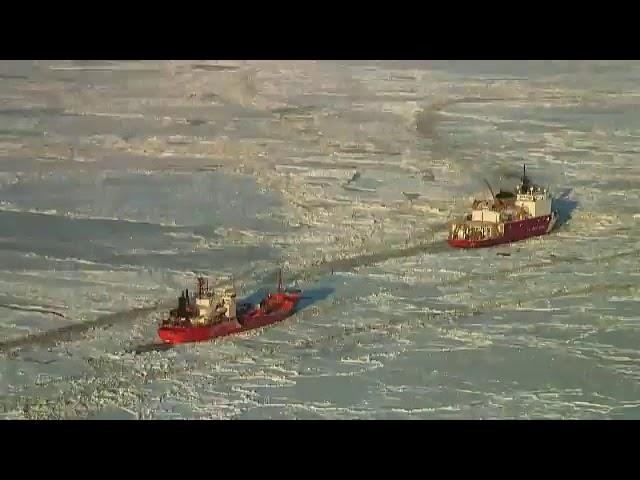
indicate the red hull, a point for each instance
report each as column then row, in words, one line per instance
column 253, row 319
column 513, row 232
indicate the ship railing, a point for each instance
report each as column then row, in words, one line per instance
column 175, row 322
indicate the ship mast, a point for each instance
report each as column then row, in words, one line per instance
column 525, row 179
column 280, row 280
column 202, row 287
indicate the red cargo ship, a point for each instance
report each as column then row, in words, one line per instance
column 509, row 217
column 208, row 315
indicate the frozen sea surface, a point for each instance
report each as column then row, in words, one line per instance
column 121, row 181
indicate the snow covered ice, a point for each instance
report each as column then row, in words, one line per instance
column 120, row 181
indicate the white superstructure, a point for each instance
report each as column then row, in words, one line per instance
column 226, row 299
column 214, row 306
column 537, row 202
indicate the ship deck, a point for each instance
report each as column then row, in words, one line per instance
column 475, row 223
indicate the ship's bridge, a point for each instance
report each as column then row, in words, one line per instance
column 537, row 201
column 485, row 215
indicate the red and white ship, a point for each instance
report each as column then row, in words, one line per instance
column 210, row 314
column 509, row 217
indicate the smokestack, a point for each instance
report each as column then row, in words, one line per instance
column 182, row 304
